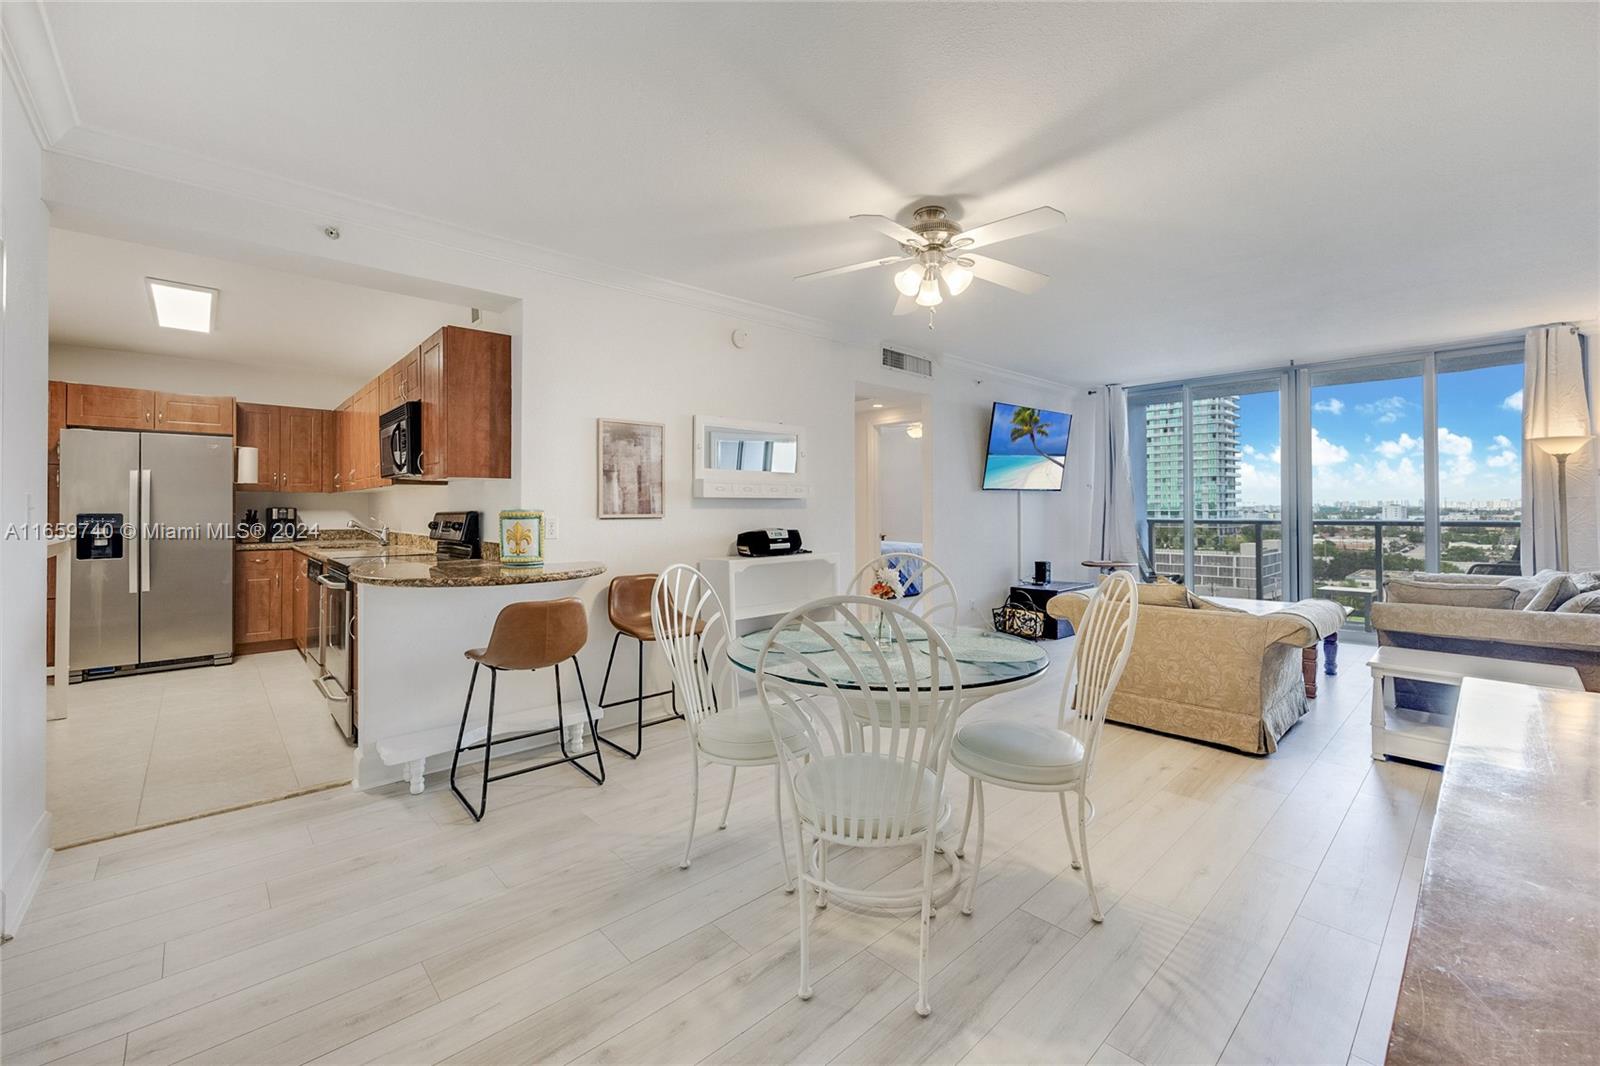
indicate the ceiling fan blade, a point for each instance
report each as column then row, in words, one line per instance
column 868, row 265
column 890, row 228
column 1012, row 277
column 905, row 305
column 1005, row 229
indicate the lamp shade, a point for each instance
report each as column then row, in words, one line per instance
column 1559, row 445
column 249, row 469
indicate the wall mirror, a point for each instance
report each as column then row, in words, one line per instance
column 735, row 458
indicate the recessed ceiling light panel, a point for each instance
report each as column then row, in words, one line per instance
column 179, row 306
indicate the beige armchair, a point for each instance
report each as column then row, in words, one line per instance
column 1205, row 672
column 1496, row 633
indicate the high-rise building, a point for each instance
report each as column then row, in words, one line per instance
column 1215, row 474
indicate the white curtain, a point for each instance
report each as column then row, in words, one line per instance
column 1558, row 399
column 1115, row 532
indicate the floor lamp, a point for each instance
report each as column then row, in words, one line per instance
column 1560, row 447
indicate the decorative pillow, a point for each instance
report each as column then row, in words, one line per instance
column 1582, row 603
column 1163, row 594
column 1529, row 587
column 1441, row 595
column 1556, row 591
column 1586, row 581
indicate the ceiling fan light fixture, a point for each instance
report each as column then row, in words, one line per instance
column 928, row 295
column 956, row 277
column 909, row 280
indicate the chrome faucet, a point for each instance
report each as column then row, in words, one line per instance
column 381, row 532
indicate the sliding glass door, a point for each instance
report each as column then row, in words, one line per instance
column 1213, row 491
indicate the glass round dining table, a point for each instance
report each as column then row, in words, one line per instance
column 990, row 662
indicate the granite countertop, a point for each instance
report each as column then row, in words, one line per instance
column 1504, row 961
column 401, row 572
column 307, row 545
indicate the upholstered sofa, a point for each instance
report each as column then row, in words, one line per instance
column 1507, row 629
column 1202, row 671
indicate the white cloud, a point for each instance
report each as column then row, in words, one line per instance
column 1454, row 443
column 1324, row 452
column 1394, row 449
column 1333, row 406
column 1259, row 485
column 1386, row 411
column 1512, row 402
column 1501, row 460
column 1502, row 441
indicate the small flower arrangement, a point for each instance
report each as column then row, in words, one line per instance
column 885, row 586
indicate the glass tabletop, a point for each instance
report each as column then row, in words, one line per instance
column 986, row 658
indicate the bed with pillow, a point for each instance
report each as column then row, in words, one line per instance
column 1549, row 617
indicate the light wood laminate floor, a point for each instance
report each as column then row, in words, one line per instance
column 153, row 748
column 1257, row 910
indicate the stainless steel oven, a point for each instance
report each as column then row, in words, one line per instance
column 314, row 572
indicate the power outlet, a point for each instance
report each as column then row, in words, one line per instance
column 552, row 528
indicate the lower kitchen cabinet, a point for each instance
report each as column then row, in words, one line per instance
column 263, row 599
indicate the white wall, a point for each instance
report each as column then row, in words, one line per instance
column 24, row 231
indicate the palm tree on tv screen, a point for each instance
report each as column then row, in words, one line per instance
column 1025, row 422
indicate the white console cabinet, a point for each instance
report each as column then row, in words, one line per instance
column 761, row 589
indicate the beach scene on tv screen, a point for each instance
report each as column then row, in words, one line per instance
column 1027, row 448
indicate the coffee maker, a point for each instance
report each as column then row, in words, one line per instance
column 283, row 523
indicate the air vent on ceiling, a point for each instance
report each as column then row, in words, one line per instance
column 910, row 364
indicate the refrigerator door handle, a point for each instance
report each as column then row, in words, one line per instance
column 134, row 545
column 146, row 527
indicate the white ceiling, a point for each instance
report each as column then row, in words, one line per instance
column 264, row 317
column 1243, row 183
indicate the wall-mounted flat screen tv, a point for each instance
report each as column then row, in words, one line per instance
column 1027, row 448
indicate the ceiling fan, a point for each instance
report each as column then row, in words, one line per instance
column 939, row 255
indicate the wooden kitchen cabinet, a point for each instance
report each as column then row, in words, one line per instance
column 110, row 407
column 57, row 420
column 294, row 445
column 258, row 592
column 179, row 413
column 464, row 378
column 304, row 441
column 257, row 426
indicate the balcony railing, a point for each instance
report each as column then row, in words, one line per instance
column 1347, row 553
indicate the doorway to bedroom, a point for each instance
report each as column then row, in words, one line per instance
column 893, row 464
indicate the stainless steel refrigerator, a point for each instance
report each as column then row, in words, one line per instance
column 152, row 570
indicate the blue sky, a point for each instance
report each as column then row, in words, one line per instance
column 1367, row 439
column 1000, row 442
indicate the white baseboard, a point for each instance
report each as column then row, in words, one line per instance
column 25, row 876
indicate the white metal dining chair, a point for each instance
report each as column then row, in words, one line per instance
column 862, row 777
column 1059, row 758
column 935, row 597
column 691, row 628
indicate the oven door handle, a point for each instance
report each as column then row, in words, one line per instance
column 322, row 688
column 337, row 586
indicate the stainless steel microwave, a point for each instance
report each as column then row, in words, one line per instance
column 400, row 441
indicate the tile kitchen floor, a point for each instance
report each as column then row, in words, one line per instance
column 139, row 751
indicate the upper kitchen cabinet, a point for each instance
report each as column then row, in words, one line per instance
column 109, row 407
column 294, row 445
column 305, row 437
column 177, row 413
column 402, row 381
column 464, row 383
column 257, row 426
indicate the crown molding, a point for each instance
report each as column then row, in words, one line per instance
column 28, row 50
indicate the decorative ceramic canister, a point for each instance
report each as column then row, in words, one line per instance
column 521, row 538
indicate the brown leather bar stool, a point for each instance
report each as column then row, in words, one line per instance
column 529, row 636
column 628, row 604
